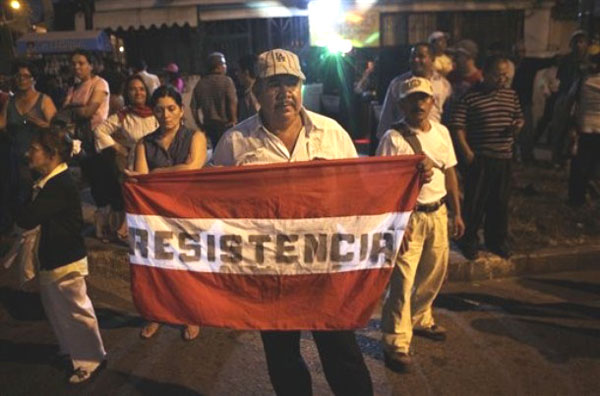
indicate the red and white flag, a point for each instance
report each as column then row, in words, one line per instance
column 307, row 245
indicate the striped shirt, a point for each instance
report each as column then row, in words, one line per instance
column 486, row 116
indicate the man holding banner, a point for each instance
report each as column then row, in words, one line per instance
column 421, row 269
column 285, row 132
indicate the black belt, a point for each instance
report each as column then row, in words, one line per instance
column 430, row 207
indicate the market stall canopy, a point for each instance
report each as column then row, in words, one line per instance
column 61, row 42
column 146, row 17
column 118, row 14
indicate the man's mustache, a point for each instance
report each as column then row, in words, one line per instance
column 285, row 103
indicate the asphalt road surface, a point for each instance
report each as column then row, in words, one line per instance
column 527, row 336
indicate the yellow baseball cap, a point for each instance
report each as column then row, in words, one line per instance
column 415, row 84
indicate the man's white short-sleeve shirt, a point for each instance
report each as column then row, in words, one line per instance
column 436, row 144
column 249, row 142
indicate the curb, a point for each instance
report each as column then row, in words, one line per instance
column 490, row 266
column 112, row 261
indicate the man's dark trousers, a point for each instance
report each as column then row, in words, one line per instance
column 583, row 166
column 487, row 192
column 340, row 355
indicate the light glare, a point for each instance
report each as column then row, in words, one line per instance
column 339, row 25
column 338, row 45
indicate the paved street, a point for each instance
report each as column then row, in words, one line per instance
column 538, row 335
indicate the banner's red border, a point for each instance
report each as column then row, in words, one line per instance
column 314, row 189
column 267, row 302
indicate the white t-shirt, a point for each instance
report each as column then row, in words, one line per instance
column 436, row 144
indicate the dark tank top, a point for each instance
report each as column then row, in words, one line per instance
column 158, row 157
column 19, row 128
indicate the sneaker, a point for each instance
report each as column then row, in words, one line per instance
column 399, row 362
column 80, row 375
column 435, row 333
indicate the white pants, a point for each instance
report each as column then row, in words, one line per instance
column 416, row 280
column 74, row 322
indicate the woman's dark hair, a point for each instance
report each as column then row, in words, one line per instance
column 126, row 89
column 23, row 64
column 55, row 140
column 165, row 91
column 86, row 54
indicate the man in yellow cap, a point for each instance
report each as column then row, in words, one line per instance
column 421, row 268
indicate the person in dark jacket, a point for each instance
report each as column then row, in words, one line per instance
column 56, row 207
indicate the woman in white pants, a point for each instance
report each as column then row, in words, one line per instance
column 56, row 207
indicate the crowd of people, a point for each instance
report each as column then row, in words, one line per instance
column 469, row 123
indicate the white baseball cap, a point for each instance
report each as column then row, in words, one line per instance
column 279, row 61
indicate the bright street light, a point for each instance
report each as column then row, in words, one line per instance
column 15, row 5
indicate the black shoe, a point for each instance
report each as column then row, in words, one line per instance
column 503, row 251
column 400, row 362
column 435, row 333
column 469, row 251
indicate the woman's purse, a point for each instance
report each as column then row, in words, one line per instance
column 24, row 252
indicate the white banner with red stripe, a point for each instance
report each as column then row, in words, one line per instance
column 284, row 246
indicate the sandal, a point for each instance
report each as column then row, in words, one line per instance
column 190, row 332
column 123, row 235
column 123, row 232
column 149, row 330
column 80, row 375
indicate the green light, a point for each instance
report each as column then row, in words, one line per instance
column 372, row 38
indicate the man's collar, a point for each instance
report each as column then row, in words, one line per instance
column 404, row 127
column 56, row 171
column 307, row 121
